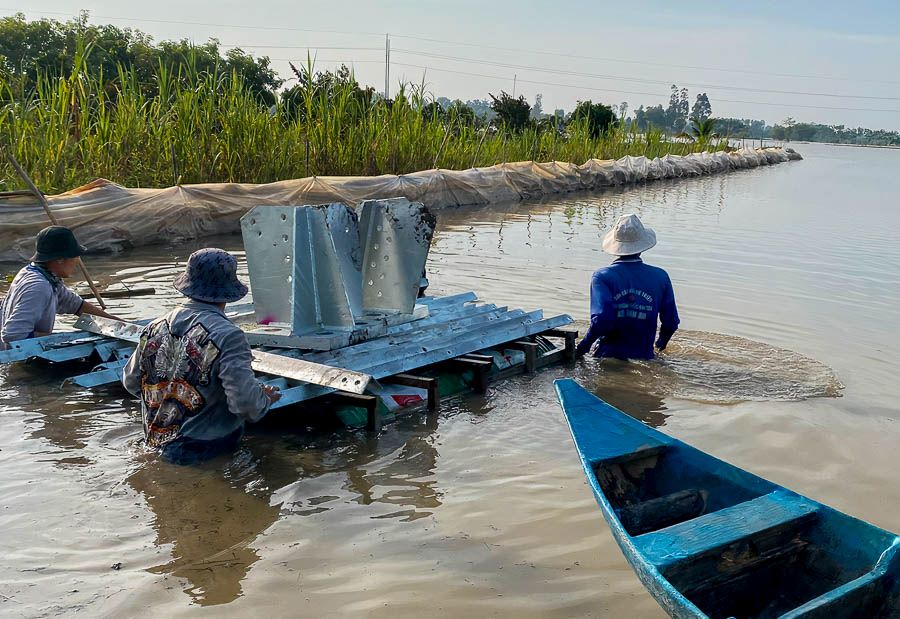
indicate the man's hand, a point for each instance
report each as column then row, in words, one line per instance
column 272, row 392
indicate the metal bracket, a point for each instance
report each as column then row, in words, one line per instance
column 322, row 280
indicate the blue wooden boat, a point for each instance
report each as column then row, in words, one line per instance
column 708, row 539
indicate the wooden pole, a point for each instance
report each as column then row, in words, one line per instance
column 43, row 200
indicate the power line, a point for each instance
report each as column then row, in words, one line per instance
column 640, row 62
column 525, row 67
column 634, row 79
column 631, row 92
column 307, row 47
column 197, row 23
column 462, row 43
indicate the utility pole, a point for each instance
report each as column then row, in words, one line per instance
column 514, row 85
column 387, row 66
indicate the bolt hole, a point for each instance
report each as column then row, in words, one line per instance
column 283, row 217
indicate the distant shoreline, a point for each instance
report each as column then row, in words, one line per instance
column 891, row 146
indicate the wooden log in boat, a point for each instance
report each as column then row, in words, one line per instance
column 709, row 539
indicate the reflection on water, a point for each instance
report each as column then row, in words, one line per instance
column 211, row 515
column 483, row 509
column 209, row 524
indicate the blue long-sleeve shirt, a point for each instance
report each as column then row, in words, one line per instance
column 627, row 298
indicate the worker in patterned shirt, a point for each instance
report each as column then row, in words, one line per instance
column 192, row 367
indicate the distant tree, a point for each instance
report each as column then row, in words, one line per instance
column 678, row 110
column 804, row 132
column 444, row 102
column 598, row 117
column 537, row 110
column 672, row 110
column 702, row 108
column 49, row 47
column 324, row 85
column 657, row 117
column 640, row 118
column 623, row 110
column 481, row 108
column 460, row 113
column 788, row 124
column 512, row 112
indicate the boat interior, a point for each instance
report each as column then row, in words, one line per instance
column 738, row 546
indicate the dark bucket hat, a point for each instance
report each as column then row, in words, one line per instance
column 211, row 276
column 56, row 243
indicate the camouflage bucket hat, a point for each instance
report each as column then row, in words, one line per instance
column 211, row 276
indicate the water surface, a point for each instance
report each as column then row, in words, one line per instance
column 788, row 286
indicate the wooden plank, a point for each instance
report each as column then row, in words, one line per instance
column 480, row 368
column 368, row 402
column 569, row 335
column 531, row 353
column 858, row 598
column 863, row 597
column 689, row 539
column 125, row 293
column 662, row 511
column 420, row 382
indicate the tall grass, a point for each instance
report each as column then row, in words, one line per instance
column 198, row 128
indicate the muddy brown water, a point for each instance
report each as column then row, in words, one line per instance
column 788, row 281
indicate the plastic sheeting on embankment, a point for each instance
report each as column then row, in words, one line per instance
column 106, row 216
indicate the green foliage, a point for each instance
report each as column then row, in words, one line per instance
column 512, row 113
column 701, row 130
column 597, row 117
column 50, row 48
column 702, row 108
column 193, row 121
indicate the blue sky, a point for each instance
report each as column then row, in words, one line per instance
column 830, row 62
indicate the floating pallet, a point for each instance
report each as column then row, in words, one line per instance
column 456, row 328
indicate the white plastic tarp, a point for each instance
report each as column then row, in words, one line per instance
column 108, row 217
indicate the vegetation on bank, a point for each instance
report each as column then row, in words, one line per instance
column 789, row 130
column 83, row 101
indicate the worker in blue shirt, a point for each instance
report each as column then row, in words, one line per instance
column 628, row 297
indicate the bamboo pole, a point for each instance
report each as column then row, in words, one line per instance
column 43, row 200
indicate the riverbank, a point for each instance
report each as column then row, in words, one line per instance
column 109, row 217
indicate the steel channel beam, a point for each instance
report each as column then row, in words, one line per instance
column 490, row 335
column 266, row 363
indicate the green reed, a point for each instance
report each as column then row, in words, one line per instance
column 191, row 127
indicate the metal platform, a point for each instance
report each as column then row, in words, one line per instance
column 456, row 326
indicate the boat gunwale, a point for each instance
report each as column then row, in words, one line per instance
column 666, row 594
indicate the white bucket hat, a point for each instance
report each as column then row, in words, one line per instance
column 628, row 236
